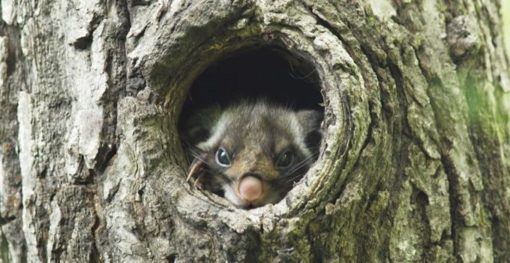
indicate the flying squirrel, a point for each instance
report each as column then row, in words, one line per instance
column 252, row 152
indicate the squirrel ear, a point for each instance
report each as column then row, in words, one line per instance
column 310, row 121
column 198, row 127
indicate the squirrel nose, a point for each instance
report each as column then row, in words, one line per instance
column 250, row 188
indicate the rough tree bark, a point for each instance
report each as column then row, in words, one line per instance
column 414, row 167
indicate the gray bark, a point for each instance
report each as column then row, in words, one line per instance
column 414, row 167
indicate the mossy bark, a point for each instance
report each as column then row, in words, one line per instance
column 415, row 164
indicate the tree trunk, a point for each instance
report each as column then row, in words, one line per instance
column 414, row 165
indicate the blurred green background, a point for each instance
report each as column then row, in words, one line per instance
column 506, row 24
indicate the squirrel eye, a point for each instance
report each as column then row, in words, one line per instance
column 285, row 159
column 222, row 157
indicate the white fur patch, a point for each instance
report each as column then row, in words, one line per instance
column 231, row 196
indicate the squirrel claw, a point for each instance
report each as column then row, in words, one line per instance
column 199, row 182
column 196, row 169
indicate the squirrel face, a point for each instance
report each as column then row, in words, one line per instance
column 252, row 153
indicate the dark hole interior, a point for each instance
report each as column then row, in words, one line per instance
column 270, row 73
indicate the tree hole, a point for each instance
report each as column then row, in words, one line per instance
column 251, row 125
